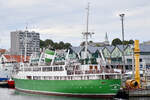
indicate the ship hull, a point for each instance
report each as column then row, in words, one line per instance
column 73, row 88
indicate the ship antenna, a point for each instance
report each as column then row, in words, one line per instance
column 26, row 27
column 26, row 31
column 87, row 33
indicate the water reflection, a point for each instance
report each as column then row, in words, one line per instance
column 11, row 94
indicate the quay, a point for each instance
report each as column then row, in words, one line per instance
column 139, row 93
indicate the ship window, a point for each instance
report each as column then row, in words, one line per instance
column 95, row 67
column 44, row 77
column 29, row 77
column 55, row 68
column 55, row 77
column 50, row 68
column 91, row 67
column 44, row 69
column 107, row 77
column 35, row 77
column 39, row 77
column 50, row 78
column 61, row 68
column 58, row 69
column 68, row 77
column 36, row 69
column 47, row 69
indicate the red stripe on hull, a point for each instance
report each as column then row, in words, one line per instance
column 68, row 95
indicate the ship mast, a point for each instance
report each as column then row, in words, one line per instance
column 25, row 54
column 87, row 33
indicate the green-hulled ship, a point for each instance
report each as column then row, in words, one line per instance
column 70, row 79
column 69, row 74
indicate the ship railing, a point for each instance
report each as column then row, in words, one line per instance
column 43, row 69
column 76, row 77
column 71, row 72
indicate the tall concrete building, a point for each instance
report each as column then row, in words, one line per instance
column 25, row 39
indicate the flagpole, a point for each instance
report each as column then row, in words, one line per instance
column 66, row 58
column 53, row 58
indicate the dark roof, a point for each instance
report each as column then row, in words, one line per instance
column 121, row 47
column 110, row 48
column 76, row 49
column 144, row 48
column 90, row 49
column 94, row 49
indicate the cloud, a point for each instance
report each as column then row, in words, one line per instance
column 66, row 19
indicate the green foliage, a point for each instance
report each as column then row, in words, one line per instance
column 117, row 41
column 125, row 42
column 67, row 45
column 48, row 43
column 128, row 42
column 42, row 44
column 54, row 45
column 131, row 42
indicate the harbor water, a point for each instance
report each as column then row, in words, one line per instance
column 12, row 94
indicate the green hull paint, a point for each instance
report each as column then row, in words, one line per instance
column 91, row 87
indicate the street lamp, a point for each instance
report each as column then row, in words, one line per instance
column 122, row 24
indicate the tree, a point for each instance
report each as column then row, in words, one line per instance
column 67, row 45
column 42, row 44
column 49, row 43
column 116, row 41
column 56, row 45
column 125, row 42
column 61, row 45
column 131, row 42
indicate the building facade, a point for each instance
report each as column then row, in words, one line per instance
column 113, row 55
column 25, row 41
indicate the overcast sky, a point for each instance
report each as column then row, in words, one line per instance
column 65, row 20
